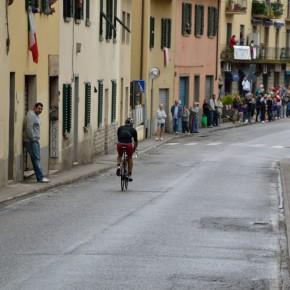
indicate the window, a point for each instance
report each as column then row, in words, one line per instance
column 208, row 86
column 276, row 79
column 229, row 33
column 67, row 10
column 88, row 97
column 88, row 3
column 196, row 88
column 114, row 102
column 128, row 26
column 152, row 32
column 288, row 9
column 242, row 34
column 186, row 18
column 100, row 102
column 199, row 20
column 212, row 21
column 165, row 33
column 79, row 10
column 109, row 13
column 67, row 109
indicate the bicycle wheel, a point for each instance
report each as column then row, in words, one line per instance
column 126, row 173
column 122, row 175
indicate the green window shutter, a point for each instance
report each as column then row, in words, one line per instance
column 201, row 20
column 79, row 10
column 152, row 31
column 88, row 4
column 163, row 33
column 67, row 9
column 67, row 108
column 109, row 13
column 114, row 21
column 101, row 18
column 196, row 20
column 216, row 21
column 168, row 33
column 88, row 100
column 114, row 102
column 45, row 7
column 100, row 102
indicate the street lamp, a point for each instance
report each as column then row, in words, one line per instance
column 153, row 74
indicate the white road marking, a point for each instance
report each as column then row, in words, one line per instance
column 190, row 144
column 278, row 147
column 171, row 144
column 257, row 145
column 214, row 144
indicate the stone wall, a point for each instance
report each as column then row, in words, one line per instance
column 105, row 139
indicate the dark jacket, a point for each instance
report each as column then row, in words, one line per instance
column 179, row 114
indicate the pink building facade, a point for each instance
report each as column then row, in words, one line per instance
column 196, row 56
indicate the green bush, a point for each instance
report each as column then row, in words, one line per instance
column 227, row 100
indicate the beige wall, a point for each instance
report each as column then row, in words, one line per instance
column 152, row 57
column 105, row 60
column 21, row 63
column 4, row 97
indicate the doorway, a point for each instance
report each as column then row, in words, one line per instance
column 76, row 120
column 53, row 121
column 29, row 102
column 11, row 127
column 164, row 99
column 121, row 119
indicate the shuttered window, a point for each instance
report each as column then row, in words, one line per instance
column 186, row 18
column 67, row 109
column 88, row 100
column 114, row 102
column 212, row 21
column 67, row 9
column 79, row 10
column 152, row 31
column 109, row 13
column 100, row 102
column 165, row 33
column 199, row 20
column 88, row 4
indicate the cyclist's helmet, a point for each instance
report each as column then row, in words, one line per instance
column 129, row 121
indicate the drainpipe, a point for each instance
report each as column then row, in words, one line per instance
column 142, row 40
column 217, row 42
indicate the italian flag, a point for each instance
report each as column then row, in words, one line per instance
column 32, row 36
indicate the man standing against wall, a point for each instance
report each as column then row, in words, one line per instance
column 31, row 140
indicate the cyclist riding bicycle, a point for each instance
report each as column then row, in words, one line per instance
column 126, row 134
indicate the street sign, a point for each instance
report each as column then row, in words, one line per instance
column 141, row 84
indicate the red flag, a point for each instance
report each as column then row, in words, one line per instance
column 32, row 36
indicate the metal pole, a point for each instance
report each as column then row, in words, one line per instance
column 151, row 109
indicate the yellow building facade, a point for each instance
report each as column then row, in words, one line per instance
column 4, row 88
column 266, row 23
column 153, row 40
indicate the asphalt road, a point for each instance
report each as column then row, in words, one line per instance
column 202, row 213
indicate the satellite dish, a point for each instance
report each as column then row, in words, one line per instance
column 154, row 73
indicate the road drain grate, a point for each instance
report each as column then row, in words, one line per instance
column 218, row 283
column 235, row 224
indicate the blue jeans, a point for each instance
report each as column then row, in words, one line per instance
column 175, row 125
column 33, row 149
column 195, row 124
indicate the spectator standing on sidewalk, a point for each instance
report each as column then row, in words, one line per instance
column 258, row 108
column 160, row 121
column 285, row 100
column 236, row 108
column 185, row 120
column 205, row 110
column 176, row 112
column 219, row 110
column 195, row 120
column 246, row 85
column 32, row 138
column 212, row 111
column 263, row 108
column 269, row 103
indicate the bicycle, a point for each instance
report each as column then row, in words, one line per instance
column 124, row 171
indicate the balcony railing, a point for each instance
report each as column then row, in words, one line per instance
column 259, row 54
column 236, row 7
column 263, row 9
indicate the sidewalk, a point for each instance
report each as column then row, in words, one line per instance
column 101, row 163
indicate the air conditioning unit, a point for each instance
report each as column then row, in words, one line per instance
column 227, row 66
